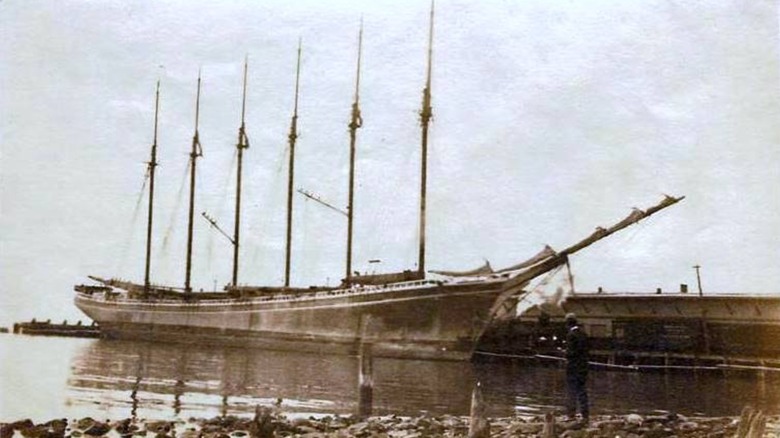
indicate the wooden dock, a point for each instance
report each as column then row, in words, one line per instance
column 47, row 328
column 646, row 332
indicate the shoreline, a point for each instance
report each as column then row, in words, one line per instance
column 269, row 422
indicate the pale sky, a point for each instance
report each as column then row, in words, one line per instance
column 550, row 118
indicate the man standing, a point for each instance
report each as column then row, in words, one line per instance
column 576, row 368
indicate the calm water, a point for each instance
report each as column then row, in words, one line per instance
column 45, row 378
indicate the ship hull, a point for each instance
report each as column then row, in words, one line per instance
column 422, row 320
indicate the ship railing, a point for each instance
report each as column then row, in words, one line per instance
column 352, row 291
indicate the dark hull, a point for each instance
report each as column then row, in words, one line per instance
column 414, row 320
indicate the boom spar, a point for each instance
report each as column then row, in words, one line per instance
column 561, row 257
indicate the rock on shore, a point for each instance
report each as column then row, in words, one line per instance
column 269, row 423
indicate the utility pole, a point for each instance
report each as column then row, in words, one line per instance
column 698, row 279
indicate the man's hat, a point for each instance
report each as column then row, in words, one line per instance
column 570, row 317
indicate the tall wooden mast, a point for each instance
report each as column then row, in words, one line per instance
column 151, row 166
column 195, row 152
column 243, row 143
column 425, row 118
column 355, row 122
column 292, row 136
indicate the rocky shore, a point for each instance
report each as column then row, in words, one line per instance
column 269, row 423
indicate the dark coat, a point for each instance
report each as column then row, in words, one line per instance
column 577, row 351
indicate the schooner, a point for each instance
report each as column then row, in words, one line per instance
column 409, row 314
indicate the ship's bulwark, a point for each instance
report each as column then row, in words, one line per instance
column 423, row 320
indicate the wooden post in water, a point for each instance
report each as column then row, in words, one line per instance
column 479, row 426
column 223, row 410
column 365, row 380
column 751, row 423
column 549, row 426
column 134, row 396
column 365, row 370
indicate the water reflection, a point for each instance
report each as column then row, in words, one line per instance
column 140, row 379
column 531, row 389
column 147, row 379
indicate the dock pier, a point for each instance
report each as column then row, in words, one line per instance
column 47, row 328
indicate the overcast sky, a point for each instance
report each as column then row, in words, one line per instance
column 550, row 118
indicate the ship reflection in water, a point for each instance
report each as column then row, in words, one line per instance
column 147, row 380
column 143, row 379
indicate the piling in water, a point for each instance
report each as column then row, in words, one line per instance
column 479, row 425
column 365, row 381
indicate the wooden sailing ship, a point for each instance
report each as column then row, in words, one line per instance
column 405, row 314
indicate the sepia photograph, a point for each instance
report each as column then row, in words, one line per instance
column 406, row 218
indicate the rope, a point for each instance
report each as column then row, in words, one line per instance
column 129, row 234
column 176, row 207
column 230, row 175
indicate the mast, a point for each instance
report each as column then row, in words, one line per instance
column 194, row 154
column 151, row 166
column 355, row 122
column 243, row 143
column 425, row 117
column 292, row 136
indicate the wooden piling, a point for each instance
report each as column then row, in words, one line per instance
column 479, row 426
column 365, row 380
column 752, row 423
column 549, row 426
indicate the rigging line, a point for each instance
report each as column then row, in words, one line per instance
column 169, row 231
column 209, row 251
column 625, row 238
column 545, row 281
column 254, row 254
column 223, row 199
column 200, row 198
column 631, row 235
column 230, row 176
column 281, row 159
column 306, row 220
column 227, row 186
column 129, row 235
